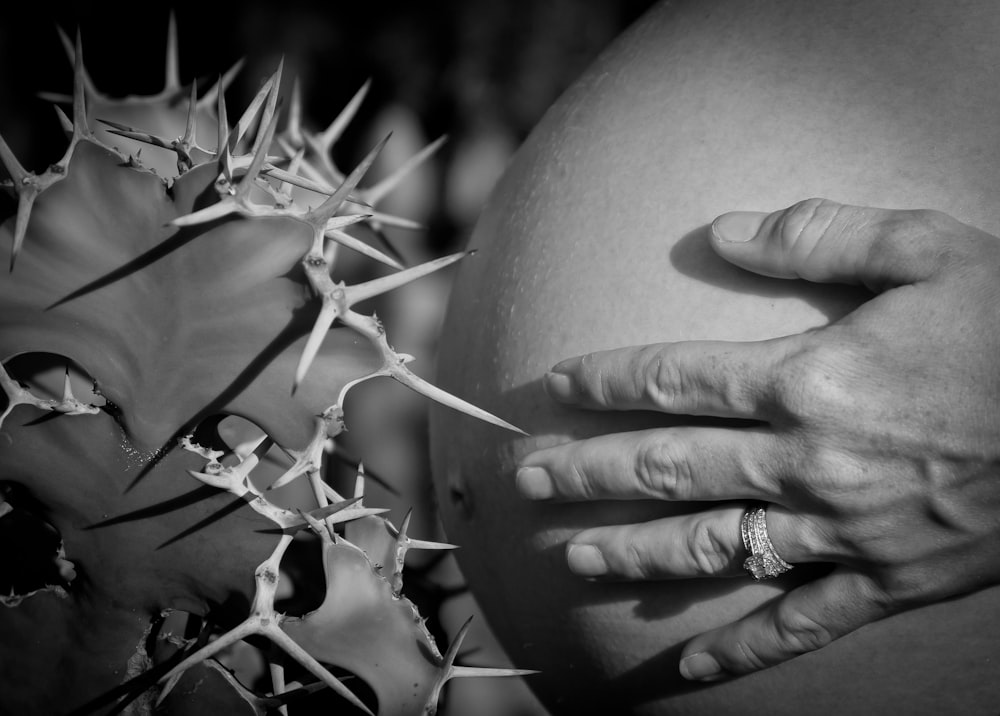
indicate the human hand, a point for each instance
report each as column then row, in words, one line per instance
column 876, row 440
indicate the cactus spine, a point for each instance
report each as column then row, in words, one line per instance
column 189, row 291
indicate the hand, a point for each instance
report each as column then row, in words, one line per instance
column 876, row 440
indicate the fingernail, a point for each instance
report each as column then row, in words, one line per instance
column 559, row 386
column 586, row 560
column 534, row 483
column 701, row 666
column 738, row 226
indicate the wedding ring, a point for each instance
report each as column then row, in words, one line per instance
column 763, row 562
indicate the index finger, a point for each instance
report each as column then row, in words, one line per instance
column 715, row 378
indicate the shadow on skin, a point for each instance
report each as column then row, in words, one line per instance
column 549, row 424
column 693, row 256
column 646, row 602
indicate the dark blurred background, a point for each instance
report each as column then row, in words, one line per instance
column 481, row 72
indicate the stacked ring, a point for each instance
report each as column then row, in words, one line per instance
column 763, row 562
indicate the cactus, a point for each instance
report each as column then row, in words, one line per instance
column 159, row 285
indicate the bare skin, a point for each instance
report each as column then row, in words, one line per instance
column 874, row 440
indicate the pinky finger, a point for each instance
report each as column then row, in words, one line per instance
column 803, row 620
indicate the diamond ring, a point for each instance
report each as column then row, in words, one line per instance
column 763, row 562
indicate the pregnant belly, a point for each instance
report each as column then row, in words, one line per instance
column 595, row 239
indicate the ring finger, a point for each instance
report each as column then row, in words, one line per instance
column 707, row 543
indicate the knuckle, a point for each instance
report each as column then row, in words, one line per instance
column 905, row 588
column 798, row 632
column 660, row 470
column 578, row 480
column 712, row 551
column 749, row 659
column 803, row 224
column 918, row 233
column 592, row 381
column 640, row 562
column 662, row 377
column 810, row 381
column 831, row 481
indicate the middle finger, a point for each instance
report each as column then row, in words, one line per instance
column 683, row 464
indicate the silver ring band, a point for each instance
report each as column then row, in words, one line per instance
column 763, row 562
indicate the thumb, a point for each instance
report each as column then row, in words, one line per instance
column 823, row 241
column 803, row 620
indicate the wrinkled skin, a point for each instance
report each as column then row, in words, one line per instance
column 874, row 439
column 597, row 237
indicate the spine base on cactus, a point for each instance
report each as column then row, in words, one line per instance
column 192, row 282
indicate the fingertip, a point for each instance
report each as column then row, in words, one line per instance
column 534, row 483
column 737, row 227
column 586, row 560
column 701, row 666
column 559, row 386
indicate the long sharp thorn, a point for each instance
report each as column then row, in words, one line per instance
column 259, row 157
column 294, row 472
column 55, row 97
column 397, row 221
column 332, row 495
column 425, row 544
column 402, row 544
column 226, row 161
column 223, row 119
column 25, row 197
column 189, row 126
column 377, row 192
column 251, row 111
column 172, row 78
column 342, row 222
column 319, row 330
column 330, row 207
column 262, row 138
column 413, row 381
column 65, row 122
column 337, row 127
column 14, row 168
column 71, row 56
column 301, row 182
column 213, row 647
column 375, row 287
column 341, row 516
column 293, row 129
column 456, row 644
column 459, row 672
column 359, row 483
column 67, row 387
column 316, row 525
column 209, row 213
column 251, row 461
column 255, row 702
column 332, row 509
column 278, row 685
column 314, row 667
column 79, row 90
column 345, row 239
column 116, row 125
column 293, row 170
column 140, row 137
column 401, row 538
column 25, row 201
